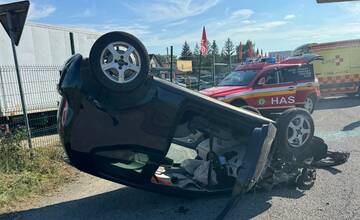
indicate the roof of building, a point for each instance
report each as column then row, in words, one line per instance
column 153, row 56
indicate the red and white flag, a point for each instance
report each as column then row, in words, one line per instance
column 203, row 49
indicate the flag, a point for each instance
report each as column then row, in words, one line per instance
column 250, row 50
column 203, row 49
column 240, row 52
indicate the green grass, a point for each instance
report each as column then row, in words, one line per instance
column 22, row 177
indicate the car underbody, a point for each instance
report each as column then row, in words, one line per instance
column 151, row 134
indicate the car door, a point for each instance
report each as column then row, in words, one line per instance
column 272, row 92
column 305, row 82
column 287, row 81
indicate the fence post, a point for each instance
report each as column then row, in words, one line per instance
column 213, row 75
column 72, row 45
column 199, row 73
column 171, row 63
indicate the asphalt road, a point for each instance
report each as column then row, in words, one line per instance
column 336, row 194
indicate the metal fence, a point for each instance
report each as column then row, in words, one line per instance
column 41, row 97
column 209, row 76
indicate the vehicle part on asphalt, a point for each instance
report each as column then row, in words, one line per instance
column 123, row 130
column 333, row 158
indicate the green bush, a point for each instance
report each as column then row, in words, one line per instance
column 13, row 155
column 22, row 175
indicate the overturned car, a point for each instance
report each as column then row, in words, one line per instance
column 119, row 123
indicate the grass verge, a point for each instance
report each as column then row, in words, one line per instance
column 22, row 177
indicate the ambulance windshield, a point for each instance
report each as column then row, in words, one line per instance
column 238, row 78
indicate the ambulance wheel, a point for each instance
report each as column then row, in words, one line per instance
column 309, row 104
column 119, row 61
column 295, row 132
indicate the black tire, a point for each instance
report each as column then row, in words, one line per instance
column 282, row 138
column 95, row 57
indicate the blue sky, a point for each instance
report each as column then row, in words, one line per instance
column 273, row 25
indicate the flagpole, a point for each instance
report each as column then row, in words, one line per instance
column 199, row 73
column 203, row 51
column 214, row 84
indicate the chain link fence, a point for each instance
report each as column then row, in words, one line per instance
column 209, row 75
column 41, row 97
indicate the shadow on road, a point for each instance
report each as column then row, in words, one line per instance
column 338, row 102
column 128, row 203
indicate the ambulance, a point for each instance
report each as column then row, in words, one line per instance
column 339, row 71
column 271, row 88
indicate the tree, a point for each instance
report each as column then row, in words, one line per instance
column 208, row 44
column 228, row 51
column 196, row 50
column 195, row 58
column 214, row 48
column 228, row 48
column 186, row 52
column 237, row 50
column 246, row 49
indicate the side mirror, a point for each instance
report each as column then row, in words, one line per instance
column 261, row 81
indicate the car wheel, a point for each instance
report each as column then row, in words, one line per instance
column 295, row 132
column 309, row 104
column 119, row 61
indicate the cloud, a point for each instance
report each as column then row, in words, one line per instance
column 40, row 11
column 88, row 12
column 351, row 7
column 289, row 17
column 273, row 24
column 248, row 22
column 161, row 10
column 177, row 23
column 242, row 14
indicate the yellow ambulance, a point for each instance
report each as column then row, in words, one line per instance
column 339, row 71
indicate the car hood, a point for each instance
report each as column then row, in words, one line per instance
column 223, row 90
